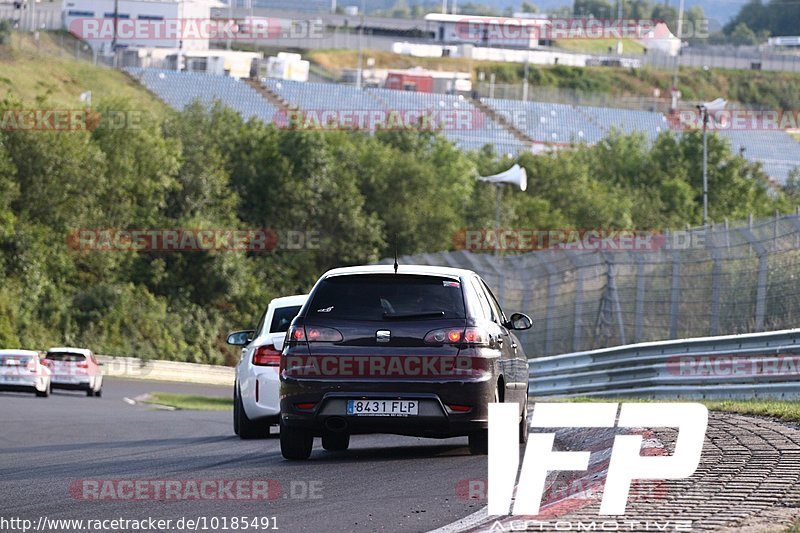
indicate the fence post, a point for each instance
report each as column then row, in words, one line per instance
column 639, row 309
column 612, row 289
column 675, row 295
column 552, row 285
column 716, row 275
column 761, row 284
column 579, row 274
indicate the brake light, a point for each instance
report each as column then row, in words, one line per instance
column 82, row 364
column 442, row 336
column 476, row 337
column 298, row 334
column 468, row 336
column 266, row 356
column 316, row 334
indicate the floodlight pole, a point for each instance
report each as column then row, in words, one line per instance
column 360, row 74
column 704, row 110
column 679, row 29
column 498, row 191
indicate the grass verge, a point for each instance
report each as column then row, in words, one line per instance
column 789, row 411
column 782, row 410
column 600, row 46
column 190, row 401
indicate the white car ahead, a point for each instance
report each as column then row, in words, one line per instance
column 24, row 371
column 256, row 404
column 75, row 369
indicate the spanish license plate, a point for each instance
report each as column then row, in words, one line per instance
column 382, row 407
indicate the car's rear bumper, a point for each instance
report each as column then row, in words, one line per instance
column 71, row 385
column 18, row 387
column 434, row 419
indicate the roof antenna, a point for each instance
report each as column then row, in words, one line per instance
column 395, row 254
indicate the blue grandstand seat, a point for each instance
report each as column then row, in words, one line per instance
column 464, row 124
column 179, row 89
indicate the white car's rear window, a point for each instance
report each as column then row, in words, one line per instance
column 12, row 360
column 66, row 357
column 282, row 317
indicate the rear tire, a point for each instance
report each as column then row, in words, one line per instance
column 45, row 393
column 296, row 443
column 247, row 429
column 98, row 393
column 523, row 425
column 335, row 442
column 235, row 409
column 90, row 393
column 479, row 442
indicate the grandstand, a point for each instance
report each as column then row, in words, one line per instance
column 179, row 89
column 777, row 151
column 511, row 126
column 546, row 122
column 469, row 128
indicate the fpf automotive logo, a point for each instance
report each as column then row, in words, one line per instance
column 626, row 464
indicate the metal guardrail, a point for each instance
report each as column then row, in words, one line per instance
column 754, row 365
column 131, row 367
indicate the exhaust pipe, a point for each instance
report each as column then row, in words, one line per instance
column 335, row 424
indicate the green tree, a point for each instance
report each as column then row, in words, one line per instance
column 743, row 35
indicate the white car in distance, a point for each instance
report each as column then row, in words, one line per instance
column 24, row 371
column 256, row 402
column 76, row 369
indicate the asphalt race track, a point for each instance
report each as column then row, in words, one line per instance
column 383, row 483
column 52, row 449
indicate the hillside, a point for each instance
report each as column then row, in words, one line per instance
column 49, row 73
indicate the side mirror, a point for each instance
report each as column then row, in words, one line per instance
column 240, row 338
column 519, row 321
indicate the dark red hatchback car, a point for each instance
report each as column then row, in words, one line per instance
column 420, row 351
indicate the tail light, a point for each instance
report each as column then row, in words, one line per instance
column 468, row 336
column 82, row 364
column 266, row 356
column 298, row 334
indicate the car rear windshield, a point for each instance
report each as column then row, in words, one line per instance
column 9, row 360
column 282, row 317
column 388, row 297
column 66, row 357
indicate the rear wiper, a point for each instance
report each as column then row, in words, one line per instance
column 427, row 314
